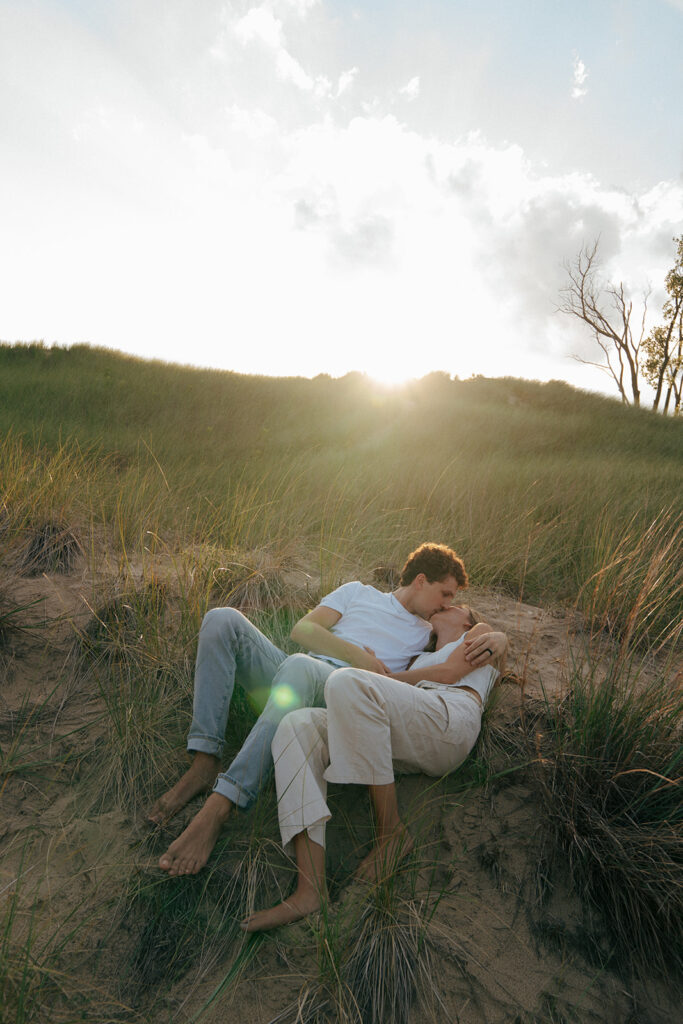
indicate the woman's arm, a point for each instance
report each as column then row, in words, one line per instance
column 457, row 665
column 485, row 647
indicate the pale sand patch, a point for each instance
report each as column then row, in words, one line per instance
column 496, row 956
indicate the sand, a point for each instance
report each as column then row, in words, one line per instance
column 497, row 954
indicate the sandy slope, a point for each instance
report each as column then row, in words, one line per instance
column 496, row 955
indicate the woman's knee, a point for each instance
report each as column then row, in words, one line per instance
column 293, row 720
column 340, row 684
column 303, row 726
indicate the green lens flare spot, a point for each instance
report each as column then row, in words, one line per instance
column 284, row 696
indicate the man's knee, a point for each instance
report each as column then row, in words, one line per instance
column 298, row 672
column 219, row 622
column 294, row 684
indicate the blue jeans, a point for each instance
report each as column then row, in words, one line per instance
column 231, row 648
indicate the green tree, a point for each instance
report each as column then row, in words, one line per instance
column 663, row 348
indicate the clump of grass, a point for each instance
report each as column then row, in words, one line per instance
column 121, row 625
column 373, row 951
column 191, row 922
column 51, row 547
column 139, row 659
column 249, row 589
column 635, row 595
column 168, row 917
column 8, row 621
column 610, row 772
column 147, row 712
column 390, row 960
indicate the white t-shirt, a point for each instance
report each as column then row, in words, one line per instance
column 479, row 679
column 379, row 621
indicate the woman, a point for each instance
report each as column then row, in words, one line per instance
column 371, row 725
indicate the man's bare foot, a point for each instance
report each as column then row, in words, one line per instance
column 385, row 857
column 297, row 906
column 199, row 777
column 190, row 851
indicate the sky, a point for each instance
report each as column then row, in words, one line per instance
column 294, row 187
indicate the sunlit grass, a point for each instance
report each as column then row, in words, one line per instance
column 186, row 489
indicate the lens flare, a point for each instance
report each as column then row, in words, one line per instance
column 284, row 696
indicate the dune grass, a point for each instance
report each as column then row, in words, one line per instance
column 611, row 777
column 538, row 486
column 185, row 489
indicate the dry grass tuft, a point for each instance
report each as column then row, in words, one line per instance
column 249, row 589
column 191, row 922
column 120, row 626
column 390, row 961
column 610, row 772
column 51, row 547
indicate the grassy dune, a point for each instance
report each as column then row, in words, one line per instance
column 171, row 490
column 538, row 486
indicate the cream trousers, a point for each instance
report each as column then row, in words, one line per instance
column 372, row 724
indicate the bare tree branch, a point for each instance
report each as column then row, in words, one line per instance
column 584, row 298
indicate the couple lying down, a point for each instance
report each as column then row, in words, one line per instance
column 365, row 700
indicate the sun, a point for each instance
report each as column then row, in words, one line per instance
column 388, row 383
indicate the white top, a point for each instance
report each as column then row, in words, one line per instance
column 379, row 621
column 479, row 679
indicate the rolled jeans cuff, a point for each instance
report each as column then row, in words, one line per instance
column 236, row 794
column 204, row 745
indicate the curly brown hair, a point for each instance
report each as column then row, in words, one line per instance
column 437, row 562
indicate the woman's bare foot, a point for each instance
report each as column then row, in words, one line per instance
column 199, row 777
column 385, row 857
column 297, row 906
column 190, row 851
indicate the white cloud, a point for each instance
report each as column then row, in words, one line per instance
column 346, row 80
column 412, row 89
column 300, row 7
column 579, row 77
column 259, row 25
column 255, row 124
column 261, row 228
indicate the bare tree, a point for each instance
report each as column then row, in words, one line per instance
column 589, row 299
column 663, row 347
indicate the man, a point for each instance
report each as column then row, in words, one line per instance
column 355, row 625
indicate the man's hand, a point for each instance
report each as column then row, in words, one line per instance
column 373, row 662
column 484, row 647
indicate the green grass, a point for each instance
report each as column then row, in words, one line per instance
column 186, row 489
column 610, row 772
column 538, row 486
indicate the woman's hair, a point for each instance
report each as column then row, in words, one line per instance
column 437, row 562
column 473, row 616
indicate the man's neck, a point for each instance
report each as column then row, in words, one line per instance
column 403, row 596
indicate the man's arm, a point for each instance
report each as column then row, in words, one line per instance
column 457, row 666
column 313, row 633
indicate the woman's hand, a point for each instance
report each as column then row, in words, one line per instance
column 483, row 648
